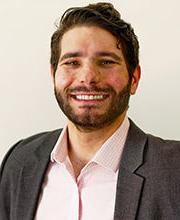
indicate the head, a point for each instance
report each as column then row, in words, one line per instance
column 102, row 15
column 94, row 60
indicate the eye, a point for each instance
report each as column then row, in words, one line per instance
column 74, row 63
column 106, row 62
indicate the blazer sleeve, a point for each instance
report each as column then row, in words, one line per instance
column 6, row 184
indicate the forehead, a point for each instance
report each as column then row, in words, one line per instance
column 86, row 38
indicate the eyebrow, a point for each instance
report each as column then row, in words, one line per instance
column 109, row 54
column 71, row 55
column 98, row 54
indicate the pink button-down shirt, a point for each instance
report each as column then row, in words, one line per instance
column 92, row 195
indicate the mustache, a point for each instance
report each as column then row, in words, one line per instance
column 90, row 89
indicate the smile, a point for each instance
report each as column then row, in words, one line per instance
column 90, row 97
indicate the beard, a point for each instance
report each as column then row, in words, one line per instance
column 89, row 121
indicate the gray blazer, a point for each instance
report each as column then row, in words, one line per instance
column 148, row 186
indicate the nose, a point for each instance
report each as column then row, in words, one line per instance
column 89, row 74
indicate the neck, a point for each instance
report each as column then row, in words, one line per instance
column 83, row 144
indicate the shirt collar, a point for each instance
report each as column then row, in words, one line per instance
column 60, row 150
column 108, row 155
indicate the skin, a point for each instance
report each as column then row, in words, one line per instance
column 90, row 58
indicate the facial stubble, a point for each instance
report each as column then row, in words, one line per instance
column 89, row 121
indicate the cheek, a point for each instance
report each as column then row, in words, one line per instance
column 63, row 79
column 117, row 80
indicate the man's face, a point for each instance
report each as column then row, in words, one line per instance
column 91, row 82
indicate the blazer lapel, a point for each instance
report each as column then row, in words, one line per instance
column 31, row 179
column 129, row 185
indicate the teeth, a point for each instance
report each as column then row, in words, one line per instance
column 89, row 97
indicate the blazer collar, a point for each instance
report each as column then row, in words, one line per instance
column 32, row 176
column 129, row 185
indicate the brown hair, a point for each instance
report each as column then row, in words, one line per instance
column 102, row 15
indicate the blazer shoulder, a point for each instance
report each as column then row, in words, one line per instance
column 23, row 149
column 154, row 151
column 163, row 144
column 163, row 153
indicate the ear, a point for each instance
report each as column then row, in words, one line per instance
column 135, row 79
column 52, row 72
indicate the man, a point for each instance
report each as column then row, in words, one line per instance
column 101, row 165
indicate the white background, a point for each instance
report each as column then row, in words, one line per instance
column 27, row 103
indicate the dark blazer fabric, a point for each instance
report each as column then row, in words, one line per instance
column 148, row 186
